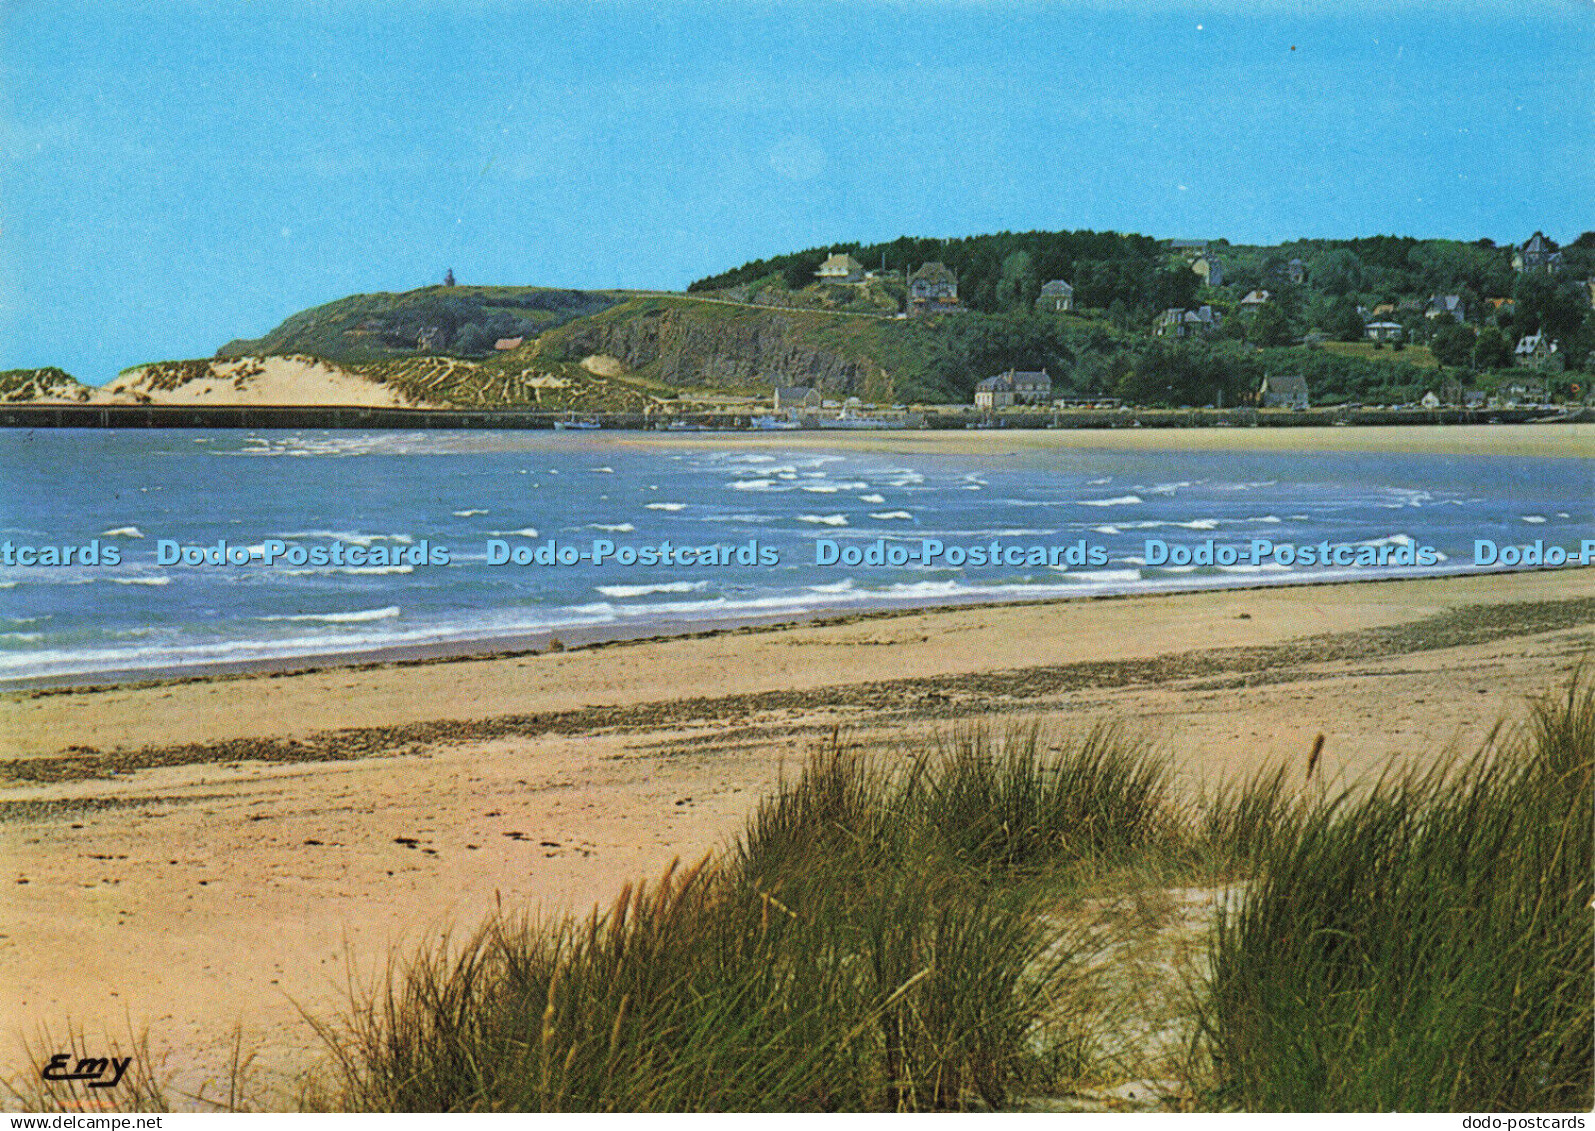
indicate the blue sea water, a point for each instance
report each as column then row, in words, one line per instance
column 461, row 490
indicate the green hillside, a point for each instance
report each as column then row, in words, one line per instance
column 458, row 321
column 1297, row 307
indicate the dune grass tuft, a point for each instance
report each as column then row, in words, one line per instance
column 1423, row 945
column 872, row 942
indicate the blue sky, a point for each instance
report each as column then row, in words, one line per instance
column 176, row 174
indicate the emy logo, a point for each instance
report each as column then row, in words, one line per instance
column 99, row 1071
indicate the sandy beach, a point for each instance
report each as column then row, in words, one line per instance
column 1544, row 440
column 191, row 857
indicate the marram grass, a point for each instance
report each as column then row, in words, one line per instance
column 1425, row 945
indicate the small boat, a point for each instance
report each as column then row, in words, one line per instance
column 848, row 419
column 574, row 423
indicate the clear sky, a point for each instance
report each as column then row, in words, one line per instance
column 176, row 173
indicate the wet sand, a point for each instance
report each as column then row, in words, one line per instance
column 1540, row 440
column 196, row 855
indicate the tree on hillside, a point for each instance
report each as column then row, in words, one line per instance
column 1453, row 344
column 1338, row 272
column 1548, row 304
column 1270, row 326
column 1018, row 285
column 1491, row 350
column 1342, row 322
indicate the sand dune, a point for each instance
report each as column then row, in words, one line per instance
column 248, row 381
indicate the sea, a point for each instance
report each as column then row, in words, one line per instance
column 756, row 518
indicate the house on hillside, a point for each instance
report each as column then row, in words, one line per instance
column 1296, row 272
column 840, row 268
column 1191, row 250
column 1447, row 304
column 1254, row 300
column 1177, row 323
column 1016, row 386
column 933, row 289
column 1056, row 297
column 1536, row 351
column 1285, row 391
column 1382, row 331
column 1538, row 254
column 796, row 398
column 1210, row 268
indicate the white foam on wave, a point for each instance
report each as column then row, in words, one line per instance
column 348, row 536
column 665, row 506
column 140, row 580
column 1534, row 519
column 885, row 515
column 612, row 527
column 359, row 616
column 467, row 514
column 836, row 587
column 820, row 488
column 1119, row 501
column 1264, row 567
column 1155, row 523
column 122, row 532
column 622, row 591
column 752, row 484
column 872, row 498
column 1103, row 576
column 316, row 571
column 824, row 519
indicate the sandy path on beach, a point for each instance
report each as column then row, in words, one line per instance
column 212, row 889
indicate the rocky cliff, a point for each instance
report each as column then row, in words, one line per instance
column 693, row 344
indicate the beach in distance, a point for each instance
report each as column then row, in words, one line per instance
column 231, row 850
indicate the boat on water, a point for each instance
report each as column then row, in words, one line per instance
column 848, row 419
column 577, row 424
column 773, row 424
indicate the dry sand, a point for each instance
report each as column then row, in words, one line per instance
column 194, row 856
